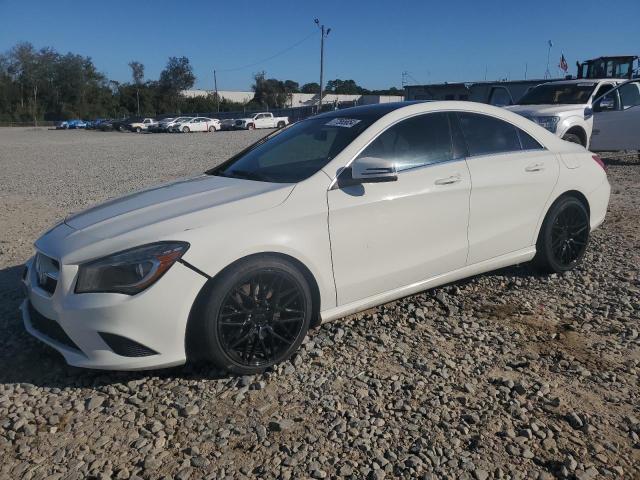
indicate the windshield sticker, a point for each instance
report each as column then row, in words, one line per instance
column 343, row 122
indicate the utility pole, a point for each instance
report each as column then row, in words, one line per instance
column 215, row 88
column 324, row 32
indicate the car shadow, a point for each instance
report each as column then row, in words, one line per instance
column 26, row 360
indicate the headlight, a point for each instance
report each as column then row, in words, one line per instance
column 550, row 123
column 130, row 271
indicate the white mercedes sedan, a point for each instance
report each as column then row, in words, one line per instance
column 332, row 215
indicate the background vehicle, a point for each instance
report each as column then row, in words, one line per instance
column 198, row 124
column 234, row 266
column 122, row 125
column 142, row 124
column 227, row 124
column 72, row 124
column 564, row 107
column 95, row 124
column 160, row 125
column 261, row 120
column 172, row 125
column 616, row 119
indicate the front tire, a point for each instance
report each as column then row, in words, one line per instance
column 212, row 129
column 185, row 130
column 138, row 130
column 255, row 315
column 564, row 236
column 251, row 126
column 573, row 138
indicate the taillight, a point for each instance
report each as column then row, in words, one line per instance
column 599, row 161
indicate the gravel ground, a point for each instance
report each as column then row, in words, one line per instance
column 506, row 375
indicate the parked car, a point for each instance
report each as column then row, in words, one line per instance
column 564, row 107
column 339, row 213
column 227, row 124
column 160, row 125
column 616, row 119
column 71, row 124
column 141, row 124
column 122, row 125
column 198, row 124
column 172, row 125
column 95, row 124
column 261, row 120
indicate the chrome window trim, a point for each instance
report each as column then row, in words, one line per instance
column 334, row 182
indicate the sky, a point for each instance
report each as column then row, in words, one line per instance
column 371, row 42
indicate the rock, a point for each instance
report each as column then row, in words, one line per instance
column 94, row 402
column 281, row 425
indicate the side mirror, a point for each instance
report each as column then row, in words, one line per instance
column 373, row 170
column 367, row 170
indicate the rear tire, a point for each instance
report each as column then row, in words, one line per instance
column 564, row 236
column 253, row 315
column 281, row 124
column 573, row 138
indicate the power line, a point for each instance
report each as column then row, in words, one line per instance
column 282, row 52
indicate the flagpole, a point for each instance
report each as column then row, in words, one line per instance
column 547, row 74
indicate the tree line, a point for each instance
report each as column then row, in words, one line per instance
column 43, row 84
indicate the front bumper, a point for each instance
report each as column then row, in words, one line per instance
column 148, row 328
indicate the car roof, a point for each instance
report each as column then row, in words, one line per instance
column 375, row 110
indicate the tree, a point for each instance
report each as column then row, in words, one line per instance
column 271, row 93
column 344, row 87
column 137, row 73
column 312, row 87
column 177, row 75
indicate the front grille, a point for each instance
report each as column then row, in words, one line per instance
column 50, row 328
column 47, row 271
column 126, row 347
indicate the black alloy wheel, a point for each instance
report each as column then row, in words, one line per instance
column 252, row 316
column 261, row 318
column 564, row 236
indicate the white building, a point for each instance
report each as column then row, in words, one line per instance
column 300, row 99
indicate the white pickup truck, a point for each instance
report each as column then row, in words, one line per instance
column 261, row 120
column 564, row 107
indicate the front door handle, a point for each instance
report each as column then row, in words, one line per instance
column 449, row 180
column 534, row 167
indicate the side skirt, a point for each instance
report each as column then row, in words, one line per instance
column 513, row 258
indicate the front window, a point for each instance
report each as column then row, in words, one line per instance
column 297, row 152
column 559, row 94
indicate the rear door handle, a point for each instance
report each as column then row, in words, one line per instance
column 449, row 180
column 534, row 167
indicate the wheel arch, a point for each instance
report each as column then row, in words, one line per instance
column 580, row 132
column 191, row 340
column 569, row 193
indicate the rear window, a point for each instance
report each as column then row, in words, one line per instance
column 486, row 135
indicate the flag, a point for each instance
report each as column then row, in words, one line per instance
column 563, row 64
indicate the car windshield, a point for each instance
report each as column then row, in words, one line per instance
column 558, row 94
column 297, row 152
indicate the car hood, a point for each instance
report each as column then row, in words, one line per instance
column 545, row 110
column 178, row 206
